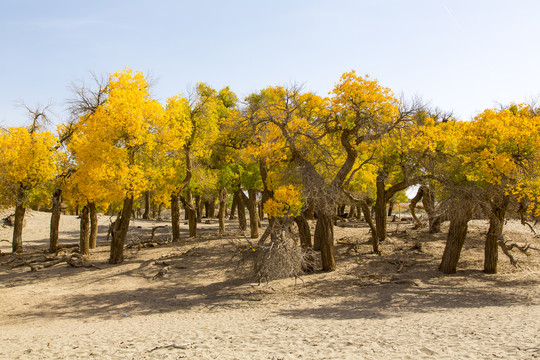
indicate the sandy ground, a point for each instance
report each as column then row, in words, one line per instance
column 393, row 306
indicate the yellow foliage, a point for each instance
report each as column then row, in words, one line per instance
column 287, row 201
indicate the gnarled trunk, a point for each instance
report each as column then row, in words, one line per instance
column 367, row 216
column 84, row 244
column 93, row 225
column 175, row 217
column 119, row 232
column 56, row 212
column 305, row 241
column 455, row 239
column 240, row 207
column 496, row 223
column 324, row 237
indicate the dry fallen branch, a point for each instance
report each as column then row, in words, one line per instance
column 174, row 346
column 161, row 273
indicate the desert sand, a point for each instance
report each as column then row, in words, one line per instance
column 393, row 306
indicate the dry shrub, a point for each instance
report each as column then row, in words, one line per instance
column 280, row 258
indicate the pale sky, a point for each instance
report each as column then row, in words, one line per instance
column 461, row 56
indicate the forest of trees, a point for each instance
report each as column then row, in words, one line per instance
column 282, row 152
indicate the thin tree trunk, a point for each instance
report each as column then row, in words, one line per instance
column 496, row 224
column 305, row 241
column 234, row 205
column 251, row 202
column 222, row 207
column 146, row 214
column 390, row 207
column 175, row 217
column 56, row 212
column 18, row 224
column 324, row 236
column 380, row 209
column 159, row 211
column 198, row 208
column 367, row 216
column 84, row 245
column 412, row 206
column 191, row 212
column 119, row 232
column 93, row 225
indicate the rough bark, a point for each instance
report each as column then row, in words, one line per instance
column 367, row 216
column 191, row 212
column 412, row 207
column 380, row 208
column 390, row 207
column 234, row 205
column 175, row 217
column 222, row 207
column 455, row 239
column 251, row 203
column 305, row 241
column 56, row 212
column 93, row 225
column 84, row 244
column 198, row 208
column 324, row 236
column 146, row 214
column 119, row 232
column 496, row 224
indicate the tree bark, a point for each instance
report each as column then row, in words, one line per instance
column 175, row 217
column 18, row 224
column 93, row 225
column 56, row 212
column 390, row 207
column 251, row 202
column 84, row 244
column 496, row 224
column 305, row 241
column 222, row 207
column 380, row 208
column 198, row 208
column 455, row 239
column 191, row 212
column 367, row 216
column 241, row 209
column 234, row 205
column 324, row 236
column 146, row 214
column 119, row 232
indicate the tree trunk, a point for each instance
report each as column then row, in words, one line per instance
column 496, row 223
column 56, row 212
column 222, row 207
column 241, row 208
column 198, row 208
column 146, row 214
column 93, row 225
column 251, row 202
column 159, row 211
column 119, row 232
column 367, row 217
column 380, row 209
column 191, row 212
column 234, row 205
column 175, row 217
column 84, row 245
column 305, row 242
column 390, row 207
column 324, row 236
column 18, row 224
column 455, row 240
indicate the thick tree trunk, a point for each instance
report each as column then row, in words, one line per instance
column 175, row 217
column 56, row 212
column 222, row 207
column 93, row 225
column 119, row 232
column 310, row 211
column 251, row 202
column 241, row 209
column 18, row 224
column 324, row 236
column 455, row 240
column 496, row 223
column 84, row 244
column 146, row 214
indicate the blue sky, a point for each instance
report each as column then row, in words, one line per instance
column 462, row 56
